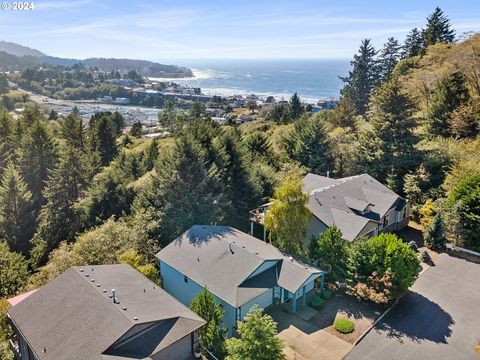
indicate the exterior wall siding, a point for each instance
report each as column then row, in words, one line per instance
column 264, row 300
column 314, row 228
column 185, row 292
column 180, row 350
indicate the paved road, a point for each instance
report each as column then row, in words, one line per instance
column 438, row 320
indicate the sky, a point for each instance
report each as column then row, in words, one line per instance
column 228, row 29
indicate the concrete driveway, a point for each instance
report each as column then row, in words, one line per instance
column 438, row 319
column 305, row 341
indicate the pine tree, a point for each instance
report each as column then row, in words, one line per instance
column 103, row 134
column 296, row 107
column 136, row 130
column 37, row 156
column 390, row 146
column 258, row 338
column 58, row 219
column 388, row 57
column 434, row 236
column 438, row 29
column 184, row 190
column 447, row 96
column 16, row 218
column 72, row 129
column 307, row 143
column 212, row 334
column 362, row 78
column 7, row 139
column 150, row 155
column 14, row 275
column 413, row 44
column 234, row 176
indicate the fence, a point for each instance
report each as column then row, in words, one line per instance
column 458, row 248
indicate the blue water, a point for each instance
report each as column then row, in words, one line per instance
column 311, row 79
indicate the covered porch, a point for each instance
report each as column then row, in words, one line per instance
column 296, row 302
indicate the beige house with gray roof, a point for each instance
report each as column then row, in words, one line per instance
column 360, row 206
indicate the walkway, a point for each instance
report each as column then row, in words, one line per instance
column 304, row 341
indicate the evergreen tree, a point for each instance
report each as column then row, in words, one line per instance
column 53, row 115
column 103, row 134
column 14, row 274
column 58, row 219
column 233, row 174
column 362, row 78
column 150, row 155
column 136, row 130
column 438, row 29
column 184, row 190
column 330, row 251
column 413, row 44
column 212, row 334
column 388, row 57
column 447, row 96
column 37, row 156
column 7, row 139
column 258, row 338
column 16, row 218
column 296, row 107
column 307, row 144
column 72, row 129
column 434, row 236
column 390, row 147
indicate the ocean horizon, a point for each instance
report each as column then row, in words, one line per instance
column 312, row 79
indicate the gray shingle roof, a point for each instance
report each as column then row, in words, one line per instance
column 74, row 319
column 202, row 254
column 342, row 202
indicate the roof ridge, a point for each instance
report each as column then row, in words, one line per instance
column 94, row 288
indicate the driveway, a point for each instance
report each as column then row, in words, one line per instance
column 305, row 341
column 438, row 319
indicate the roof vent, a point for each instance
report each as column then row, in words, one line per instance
column 114, row 297
column 81, row 270
column 104, row 290
column 98, row 285
column 135, row 318
column 230, row 247
column 86, row 275
column 290, row 258
column 198, row 259
column 93, row 280
column 124, row 308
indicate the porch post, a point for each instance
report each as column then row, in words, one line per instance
column 322, row 283
column 293, row 299
column 264, row 233
column 251, row 228
column 304, row 298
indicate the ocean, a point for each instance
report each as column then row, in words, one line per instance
column 311, row 79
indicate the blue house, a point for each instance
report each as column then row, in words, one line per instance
column 240, row 270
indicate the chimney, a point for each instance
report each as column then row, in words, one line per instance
column 114, row 297
column 230, row 247
column 328, row 174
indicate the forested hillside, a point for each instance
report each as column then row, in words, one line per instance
column 73, row 194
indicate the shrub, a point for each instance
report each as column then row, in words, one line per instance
column 317, row 302
column 326, row 294
column 344, row 326
column 413, row 246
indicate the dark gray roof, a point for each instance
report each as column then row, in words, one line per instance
column 349, row 203
column 202, row 254
column 73, row 316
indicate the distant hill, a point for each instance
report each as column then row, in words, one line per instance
column 15, row 57
column 19, row 50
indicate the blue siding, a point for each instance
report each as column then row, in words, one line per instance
column 263, row 300
column 185, row 292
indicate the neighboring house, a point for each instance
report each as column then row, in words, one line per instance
column 358, row 205
column 237, row 268
column 100, row 313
